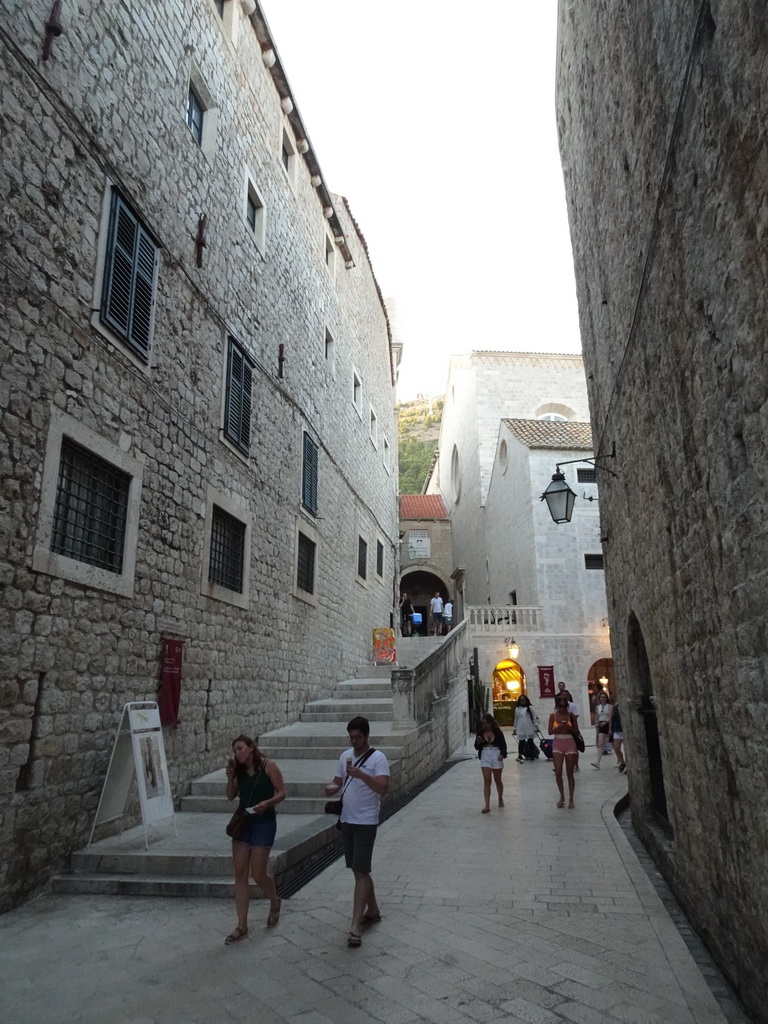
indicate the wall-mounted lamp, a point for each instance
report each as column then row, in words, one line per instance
column 559, row 496
column 512, row 647
column 603, row 680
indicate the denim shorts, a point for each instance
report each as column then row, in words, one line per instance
column 259, row 832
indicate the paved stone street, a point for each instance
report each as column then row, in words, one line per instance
column 527, row 914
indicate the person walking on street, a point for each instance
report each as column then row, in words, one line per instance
column 564, row 727
column 491, row 748
column 363, row 772
column 258, row 781
column 526, row 724
column 573, row 708
column 448, row 616
column 603, row 718
column 436, row 604
column 617, row 739
column 406, row 611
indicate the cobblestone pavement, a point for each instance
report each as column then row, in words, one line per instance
column 527, row 914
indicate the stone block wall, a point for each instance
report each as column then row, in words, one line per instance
column 108, row 112
column 661, row 113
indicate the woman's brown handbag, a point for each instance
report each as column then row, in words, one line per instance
column 236, row 826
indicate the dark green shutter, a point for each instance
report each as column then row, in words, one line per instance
column 237, row 411
column 129, row 279
column 309, row 476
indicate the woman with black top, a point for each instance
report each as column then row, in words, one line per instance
column 406, row 611
column 491, row 748
column 258, row 782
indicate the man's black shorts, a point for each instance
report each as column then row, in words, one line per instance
column 358, row 845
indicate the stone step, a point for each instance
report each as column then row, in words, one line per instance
column 332, row 716
column 328, row 734
column 196, row 863
column 374, row 671
column 320, row 753
column 294, row 804
column 362, row 690
column 345, row 708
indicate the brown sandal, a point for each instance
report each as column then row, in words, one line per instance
column 354, row 940
column 238, row 934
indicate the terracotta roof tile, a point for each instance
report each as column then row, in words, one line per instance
column 552, row 433
column 422, row 506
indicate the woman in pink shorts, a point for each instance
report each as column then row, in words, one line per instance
column 564, row 727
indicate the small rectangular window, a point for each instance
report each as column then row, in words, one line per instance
column 374, row 429
column 255, row 214
column 309, row 476
column 130, row 278
column 226, row 564
column 305, row 567
column 362, row 558
column 91, row 509
column 357, row 392
column 330, row 255
column 386, row 455
column 593, row 561
column 237, row 404
column 220, row 7
column 379, row 558
column 288, row 155
column 195, row 114
column 586, row 476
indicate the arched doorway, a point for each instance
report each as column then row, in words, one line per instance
column 641, row 685
column 601, row 676
column 507, row 683
column 421, row 587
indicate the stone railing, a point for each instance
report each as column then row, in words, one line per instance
column 504, row 619
column 415, row 690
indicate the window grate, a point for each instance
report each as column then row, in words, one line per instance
column 89, row 519
column 227, row 551
column 593, row 561
column 305, row 569
column 379, row 558
column 586, row 476
column 195, row 114
column 362, row 558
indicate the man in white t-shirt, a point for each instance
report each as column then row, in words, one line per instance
column 448, row 616
column 436, row 604
column 363, row 778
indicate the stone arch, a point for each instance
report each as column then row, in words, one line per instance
column 554, row 410
column 508, row 682
column 421, row 584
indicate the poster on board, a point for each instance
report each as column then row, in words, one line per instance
column 138, row 752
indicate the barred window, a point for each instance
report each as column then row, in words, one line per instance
column 305, row 568
column 362, row 558
column 309, row 476
column 593, row 561
column 237, row 405
column 586, row 476
column 130, row 278
column 379, row 558
column 91, row 508
column 226, row 563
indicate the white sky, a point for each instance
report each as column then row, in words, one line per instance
column 437, row 122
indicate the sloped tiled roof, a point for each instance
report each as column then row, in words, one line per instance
column 552, row 433
column 422, row 506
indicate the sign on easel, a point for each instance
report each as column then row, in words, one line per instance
column 138, row 748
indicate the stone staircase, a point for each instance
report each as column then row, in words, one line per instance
column 198, row 861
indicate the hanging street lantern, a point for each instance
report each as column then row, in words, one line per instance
column 512, row 647
column 559, row 498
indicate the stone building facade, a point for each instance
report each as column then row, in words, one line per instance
column 198, row 437
column 426, row 553
column 662, row 122
column 507, row 418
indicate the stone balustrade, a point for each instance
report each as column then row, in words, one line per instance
column 416, row 690
column 503, row 619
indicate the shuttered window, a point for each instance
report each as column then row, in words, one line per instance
column 309, row 476
column 379, row 558
column 362, row 558
column 130, row 278
column 237, row 405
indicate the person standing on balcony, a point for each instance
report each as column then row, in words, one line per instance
column 436, row 604
column 367, row 772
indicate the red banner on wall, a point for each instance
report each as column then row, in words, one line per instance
column 170, row 682
column 546, row 680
